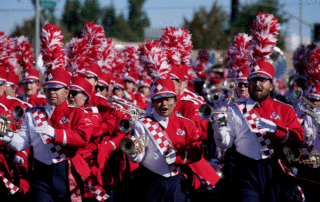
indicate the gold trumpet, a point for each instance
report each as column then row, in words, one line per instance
column 129, row 146
column 18, row 113
column 305, row 158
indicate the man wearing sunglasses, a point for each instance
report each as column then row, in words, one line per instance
column 242, row 83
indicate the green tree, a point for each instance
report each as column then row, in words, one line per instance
column 249, row 11
column 71, row 17
column 208, row 28
column 138, row 19
column 122, row 31
column 109, row 19
column 90, row 11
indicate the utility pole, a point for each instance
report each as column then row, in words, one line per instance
column 300, row 23
column 37, row 41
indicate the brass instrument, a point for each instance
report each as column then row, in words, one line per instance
column 206, row 111
column 129, row 146
column 125, row 126
column 18, row 113
column 310, row 107
column 130, row 106
column 309, row 159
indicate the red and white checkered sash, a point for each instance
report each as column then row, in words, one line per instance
column 9, row 185
column 56, row 151
column 262, row 137
column 160, row 139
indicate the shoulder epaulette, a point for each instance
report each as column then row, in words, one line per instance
column 17, row 99
column 178, row 114
column 71, row 106
column 41, row 96
column 5, row 108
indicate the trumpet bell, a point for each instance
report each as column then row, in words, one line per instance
column 230, row 84
column 205, row 111
column 125, row 126
column 127, row 145
column 297, row 93
column 18, row 112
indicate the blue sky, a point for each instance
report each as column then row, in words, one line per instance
column 161, row 13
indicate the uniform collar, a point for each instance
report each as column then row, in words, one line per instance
column 251, row 103
column 163, row 121
column 3, row 98
column 50, row 109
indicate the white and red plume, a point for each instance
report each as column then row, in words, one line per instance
column 95, row 36
column 108, row 53
column 201, row 63
column 8, row 54
column 52, row 50
column 25, row 54
column 178, row 45
column 154, row 60
column 78, row 54
column 313, row 67
column 239, row 54
column 264, row 31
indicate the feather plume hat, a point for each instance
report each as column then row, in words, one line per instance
column 54, row 57
column 177, row 44
column 313, row 72
column 26, row 60
column 154, row 60
column 239, row 55
column 264, row 31
column 8, row 60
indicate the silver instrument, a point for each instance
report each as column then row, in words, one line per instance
column 206, row 111
column 310, row 107
column 125, row 126
column 130, row 106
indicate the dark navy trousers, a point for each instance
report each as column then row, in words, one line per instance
column 257, row 180
column 151, row 187
column 50, row 182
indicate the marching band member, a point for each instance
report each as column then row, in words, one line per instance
column 164, row 170
column 30, row 84
column 12, row 85
column 104, row 84
column 56, row 131
column 142, row 97
column 310, row 121
column 259, row 171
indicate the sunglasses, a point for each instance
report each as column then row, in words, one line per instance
column 100, row 88
column 242, row 83
column 74, row 93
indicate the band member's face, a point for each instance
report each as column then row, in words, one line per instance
column 2, row 89
column 164, row 106
column 93, row 81
column 102, row 90
column 119, row 92
column 129, row 85
column 259, row 88
column 242, row 90
column 77, row 98
column 56, row 96
column 177, row 85
column 10, row 90
column 30, row 88
column 144, row 91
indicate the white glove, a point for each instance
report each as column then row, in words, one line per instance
column 171, row 157
column 219, row 120
column 45, row 129
column 266, row 125
column 6, row 137
column 18, row 160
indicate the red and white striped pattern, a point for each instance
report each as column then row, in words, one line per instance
column 262, row 137
column 159, row 139
column 56, row 151
column 9, row 185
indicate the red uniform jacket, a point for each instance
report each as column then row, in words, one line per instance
column 36, row 100
column 141, row 101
